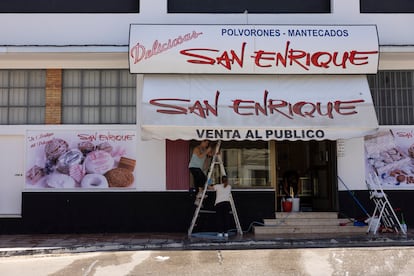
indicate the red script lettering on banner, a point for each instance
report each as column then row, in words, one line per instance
column 246, row 107
column 289, row 57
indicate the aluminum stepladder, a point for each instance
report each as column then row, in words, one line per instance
column 216, row 160
column 383, row 209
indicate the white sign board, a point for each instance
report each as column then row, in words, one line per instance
column 254, row 49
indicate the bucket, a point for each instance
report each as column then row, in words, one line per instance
column 287, row 206
column 295, row 204
column 373, row 224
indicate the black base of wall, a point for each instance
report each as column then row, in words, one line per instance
column 126, row 212
column 401, row 201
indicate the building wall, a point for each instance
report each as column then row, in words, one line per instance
column 89, row 41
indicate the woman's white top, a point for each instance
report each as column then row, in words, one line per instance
column 222, row 193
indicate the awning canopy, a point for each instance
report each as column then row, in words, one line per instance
column 246, row 107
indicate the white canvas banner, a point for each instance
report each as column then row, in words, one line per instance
column 256, row 107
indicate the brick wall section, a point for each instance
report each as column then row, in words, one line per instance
column 53, row 96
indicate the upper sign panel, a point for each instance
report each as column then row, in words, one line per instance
column 254, row 49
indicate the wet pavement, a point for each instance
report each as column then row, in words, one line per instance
column 15, row 245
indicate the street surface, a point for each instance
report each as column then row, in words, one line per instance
column 379, row 261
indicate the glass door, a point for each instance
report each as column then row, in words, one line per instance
column 315, row 164
column 323, row 171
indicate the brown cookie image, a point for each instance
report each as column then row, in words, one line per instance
column 127, row 163
column 119, row 177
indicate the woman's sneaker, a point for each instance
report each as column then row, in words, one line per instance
column 197, row 201
column 200, row 195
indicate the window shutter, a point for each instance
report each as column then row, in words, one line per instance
column 178, row 156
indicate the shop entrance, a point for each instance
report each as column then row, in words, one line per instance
column 315, row 163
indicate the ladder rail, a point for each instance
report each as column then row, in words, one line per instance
column 210, row 172
column 235, row 216
column 386, row 214
column 215, row 160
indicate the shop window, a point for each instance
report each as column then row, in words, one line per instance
column 73, row 6
column 393, row 96
column 241, row 6
column 22, row 97
column 386, row 6
column 246, row 164
column 98, row 97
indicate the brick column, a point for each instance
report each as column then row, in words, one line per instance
column 53, row 96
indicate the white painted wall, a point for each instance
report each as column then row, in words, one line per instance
column 351, row 165
column 151, row 156
column 113, row 29
column 12, row 174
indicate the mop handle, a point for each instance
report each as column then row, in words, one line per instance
column 355, row 199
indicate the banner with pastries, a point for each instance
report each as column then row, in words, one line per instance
column 80, row 159
column 390, row 157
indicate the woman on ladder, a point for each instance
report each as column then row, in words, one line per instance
column 196, row 167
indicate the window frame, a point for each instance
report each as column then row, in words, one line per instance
column 84, row 104
column 31, row 111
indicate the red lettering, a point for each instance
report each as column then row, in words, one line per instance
column 198, row 109
column 295, row 56
column 267, row 107
column 139, row 52
column 225, row 59
column 172, row 109
column 316, row 59
column 341, row 63
column 342, row 106
column 275, row 106
column 307, row 60
column 202, row 59
column 299, row 108
column 289, row 110
column 202, row 109
column 260, row 55
column 356, row 56
column 238, row 105
column 329, row 107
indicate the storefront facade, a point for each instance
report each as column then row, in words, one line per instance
column 99, row 94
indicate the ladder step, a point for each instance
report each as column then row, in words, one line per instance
column 207, row 212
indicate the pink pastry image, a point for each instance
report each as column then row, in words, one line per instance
column 99, row 162
column 58, row 180
column 105, row 147
column 86, row 147
column 77, row 172
column 55, row 148
column 94, row 181
column 35, row 174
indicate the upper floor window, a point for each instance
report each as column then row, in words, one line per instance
column 386, row 6
column 393, row 96
column 98, row 97
column 72, row 6
column 22, row 97
column 241, row 6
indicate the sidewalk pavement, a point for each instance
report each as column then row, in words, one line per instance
column 17, row 245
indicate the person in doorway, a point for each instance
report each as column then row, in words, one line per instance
column 197, row 166
column 222, row 206
column 291, row 183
